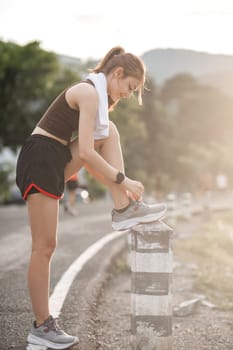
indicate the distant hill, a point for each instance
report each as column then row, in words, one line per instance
column 212, row 69
column 162, row 64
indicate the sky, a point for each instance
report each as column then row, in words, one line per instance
column 89, row 28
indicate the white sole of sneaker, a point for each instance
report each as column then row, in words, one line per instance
column 44, row 344
column 127, row 224
column 36, row 347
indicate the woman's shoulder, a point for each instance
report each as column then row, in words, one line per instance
column 79, row 92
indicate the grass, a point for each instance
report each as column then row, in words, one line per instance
column 212, row 251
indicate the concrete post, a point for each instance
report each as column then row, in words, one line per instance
column 151, row 287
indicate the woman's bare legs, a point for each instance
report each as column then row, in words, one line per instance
column 43, row 216
column 110, row 150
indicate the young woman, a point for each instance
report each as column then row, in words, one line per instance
column 48, row 159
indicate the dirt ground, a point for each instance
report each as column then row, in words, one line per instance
column 207, row 328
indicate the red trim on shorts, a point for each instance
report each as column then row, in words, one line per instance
column 41, row 191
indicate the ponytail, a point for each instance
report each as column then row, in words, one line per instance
column 133, row 66
column 102, row 64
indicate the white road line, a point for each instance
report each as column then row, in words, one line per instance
column 61, row 289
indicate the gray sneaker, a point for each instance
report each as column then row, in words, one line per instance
column 50, row 335
column 137, row 213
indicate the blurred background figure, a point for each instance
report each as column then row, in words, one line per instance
column 71, row 188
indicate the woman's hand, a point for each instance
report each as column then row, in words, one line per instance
column 134, row 188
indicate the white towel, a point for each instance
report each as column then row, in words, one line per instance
column 102, row 118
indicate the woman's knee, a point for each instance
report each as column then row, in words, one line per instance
column 45, row 249
column 113, row 136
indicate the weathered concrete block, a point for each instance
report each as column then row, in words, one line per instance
column 151, row 287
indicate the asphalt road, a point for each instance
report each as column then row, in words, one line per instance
column 74, row 236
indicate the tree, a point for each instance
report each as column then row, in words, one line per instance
column 158, row 144
column 200, row 116
column 177, row 87
column 132, row 133
column 29, row 79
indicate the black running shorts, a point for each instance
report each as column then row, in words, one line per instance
column 40, row 166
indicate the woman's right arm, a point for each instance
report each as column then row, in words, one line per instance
column 86, row 99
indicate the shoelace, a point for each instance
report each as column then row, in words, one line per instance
column 138, row 204
column 52, row 324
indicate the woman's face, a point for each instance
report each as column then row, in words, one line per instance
column 121, row 87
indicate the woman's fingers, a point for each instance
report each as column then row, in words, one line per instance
column 135, row 189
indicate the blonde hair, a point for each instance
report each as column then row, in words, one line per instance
column 133, row 66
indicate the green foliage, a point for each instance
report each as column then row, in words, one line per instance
column 201, row 159
column 5, row 172
column 182, row 131
column 158, row 131
column 200, row 120
column 177, row 87
column 132, row 133
column 23, row 77
column 205, row 116
column 29, row 79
